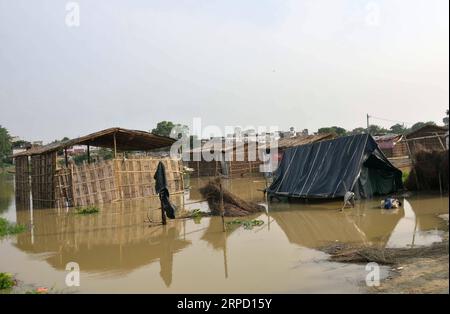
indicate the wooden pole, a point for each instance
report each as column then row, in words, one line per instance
column 65, row 157
column 163, row 214
column 368, row 125
column 89, row 153
column 115, row 145
column 225, row 259
column 413, row 164
column 222, row 209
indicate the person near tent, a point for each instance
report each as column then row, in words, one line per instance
column 349, row 199
column 390, row 203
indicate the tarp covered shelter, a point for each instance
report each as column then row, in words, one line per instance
column 329, row 169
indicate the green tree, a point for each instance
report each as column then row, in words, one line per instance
column 334, row 129
column 20, row 144
column 376, row 129
column 357, row 131
column 163, row 128
column 419, row 125
column 445, row 119
column 5, row 146
column 167, row 128
column 398, row 129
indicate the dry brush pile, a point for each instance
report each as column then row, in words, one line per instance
column 233, row 205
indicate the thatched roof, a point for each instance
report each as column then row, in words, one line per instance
column 427, row 130
column 222, row 145
column 126, row 140
column 288, row 142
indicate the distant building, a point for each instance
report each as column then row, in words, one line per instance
column 304, row 132
column 291, row 133
column 77, row 150
column 391, row 145
column 18, row 150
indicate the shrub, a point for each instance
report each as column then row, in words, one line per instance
column 87, row 210
column 6, row 281
column 7, row 228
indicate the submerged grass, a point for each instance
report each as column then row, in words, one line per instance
column 7, row 281
column 405, row 176
column 197, row 215
column 248, row 224
column 7, row 228
column 87, row 210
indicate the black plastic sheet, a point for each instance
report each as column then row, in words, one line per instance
column 163, row 191
column 329, row 169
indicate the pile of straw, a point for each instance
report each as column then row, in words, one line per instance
column 384, row 256
column 431, row 169
column 233, row 205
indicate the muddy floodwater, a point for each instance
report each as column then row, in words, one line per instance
column 117, row 251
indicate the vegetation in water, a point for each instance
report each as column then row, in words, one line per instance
column 7, row 281
column 248, row 224
column 197, row 215
column 87, row 210
column 405, row 175
column 7, row 228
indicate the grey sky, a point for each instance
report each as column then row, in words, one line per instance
column 256, row 62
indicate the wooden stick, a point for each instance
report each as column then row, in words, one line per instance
column 65, row 157
column 222, row 209
column 163, row 214
column 115, row 145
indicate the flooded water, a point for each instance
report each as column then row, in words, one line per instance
column 117, row 251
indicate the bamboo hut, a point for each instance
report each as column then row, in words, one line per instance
column 54, row 184
column 401, row 150
column 241, row 158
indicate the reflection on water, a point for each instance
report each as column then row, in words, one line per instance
column 409, row 232
column 118, row 252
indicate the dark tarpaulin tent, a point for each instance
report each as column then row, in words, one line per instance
column 329, row 169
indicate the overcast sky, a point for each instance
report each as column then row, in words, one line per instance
column 306, row 64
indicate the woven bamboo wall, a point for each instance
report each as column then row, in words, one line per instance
column 64, row 191
column 94, row 183
column 22, row 182
column 237, row 168
column 113, row 180
column 135, row 176
column 204, row 168
column 43, row 168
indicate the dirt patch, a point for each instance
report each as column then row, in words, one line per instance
column 417, row 275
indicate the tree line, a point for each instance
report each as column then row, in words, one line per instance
column 375, row 129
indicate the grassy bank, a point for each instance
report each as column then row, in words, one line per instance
column 8, row 228
column 6, row 169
